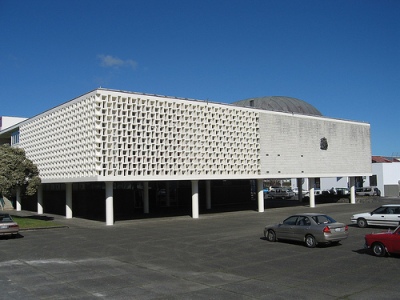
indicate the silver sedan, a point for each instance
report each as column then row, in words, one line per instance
column 310, row 228
column 7, row 225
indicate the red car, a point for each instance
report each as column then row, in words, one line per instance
column 383, row 243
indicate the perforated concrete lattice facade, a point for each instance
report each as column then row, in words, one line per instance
column 120, row 136
column 62, row 141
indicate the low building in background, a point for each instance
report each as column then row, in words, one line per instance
column 385, row 175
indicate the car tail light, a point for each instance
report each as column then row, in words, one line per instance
column 326, row 230
column 346, row 228
column 12, row 226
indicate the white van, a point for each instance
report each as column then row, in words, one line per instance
column 367, row 191
column 279, row 192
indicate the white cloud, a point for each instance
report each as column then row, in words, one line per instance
column 115, row 62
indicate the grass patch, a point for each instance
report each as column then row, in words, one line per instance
column 33, row 222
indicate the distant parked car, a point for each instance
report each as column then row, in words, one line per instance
column 385, row 215
column 317, row 192
column 384, row 243
column 296, row 191
column 7, row 225
column 310, row 228
column 279, row 193
column 368, row 191
column 342, row 191
column 290, row 193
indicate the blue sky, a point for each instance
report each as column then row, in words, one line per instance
column 342, row 56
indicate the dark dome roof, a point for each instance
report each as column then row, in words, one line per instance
column 280, row 103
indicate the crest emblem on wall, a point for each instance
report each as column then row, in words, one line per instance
column 323, row 144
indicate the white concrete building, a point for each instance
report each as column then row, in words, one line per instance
column 6, row 122
column 112, row 139
column 385, row 176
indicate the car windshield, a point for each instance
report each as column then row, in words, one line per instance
column 323, row 219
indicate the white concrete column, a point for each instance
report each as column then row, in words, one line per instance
column 146, row 197
column 299, row 182
column 260, row 195
column 208, row 194
column 195, row 199
column 40, row 200
column 18, row 198
column 352, row 190
column 311, row 183
column 68, row 200
column 109, row 203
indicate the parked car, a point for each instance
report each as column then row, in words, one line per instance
column 383, row 243
column 342, row 191
column 279, row 192
column 296, row 191
column 290, row 193
column 368, row 191
column 385, row 215
column 317, row 192
column 311, row 228
column 7, row 225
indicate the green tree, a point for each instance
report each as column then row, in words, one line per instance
column 17, row 171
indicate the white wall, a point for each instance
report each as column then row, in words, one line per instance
column 391, row 173
column 336, row 182
column 387, row 174
column 290, row 146
column 6, row 122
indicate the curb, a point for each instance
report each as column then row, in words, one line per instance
column 41, row 228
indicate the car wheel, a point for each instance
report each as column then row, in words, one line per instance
column 379, row 249
column 271, row 236
column 362, row 223
column 310, row 241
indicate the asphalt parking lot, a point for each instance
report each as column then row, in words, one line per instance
column 218, row 256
